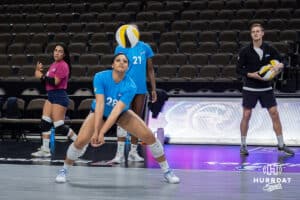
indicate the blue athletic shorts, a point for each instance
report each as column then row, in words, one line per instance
column 59, row 97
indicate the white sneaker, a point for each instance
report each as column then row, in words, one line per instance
column 117, row 159
column 61, row 176
column 135, row 157
column 171, row 177
column 42, row 153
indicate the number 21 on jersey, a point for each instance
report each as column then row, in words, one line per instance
column 137, row 60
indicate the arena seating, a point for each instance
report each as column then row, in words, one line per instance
column 195, row 41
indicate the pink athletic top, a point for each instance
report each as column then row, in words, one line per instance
column 60, row 70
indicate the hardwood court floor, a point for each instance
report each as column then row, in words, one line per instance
column 206, row 172
column 35, row 182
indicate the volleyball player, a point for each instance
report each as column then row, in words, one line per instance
column 114, row 91
column 55, row 107
column 140, row 68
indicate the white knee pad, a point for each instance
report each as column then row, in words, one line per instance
column 157, row 149
column 121, row 132
column 73, row 153
column 84, row 150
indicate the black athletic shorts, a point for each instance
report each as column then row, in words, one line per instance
column 265, row 98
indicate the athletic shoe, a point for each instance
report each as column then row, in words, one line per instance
column 244, row 151
column 134, row 157
column 61, row 176
column 171, row 177
column 117, row 159
column 286, row 150
column 42, row 153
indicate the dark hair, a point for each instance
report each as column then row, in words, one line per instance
column 67, row 58
column 115, row 56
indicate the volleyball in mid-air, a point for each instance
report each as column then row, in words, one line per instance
column 127, row 36
column 267, row 72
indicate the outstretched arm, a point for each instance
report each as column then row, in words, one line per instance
column 99, row 110
column 111, row 120
column 113, row 117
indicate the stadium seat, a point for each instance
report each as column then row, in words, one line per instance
column 166, row 72
column 199, row 58
column 178, row 59
column 270, row 4
column 101, row 48
column 160, row 59
column 228, row 47
column 168, row 47
column 187, row 72
column 189, row 15
column 34, row 108
column 169, row 37
column 180, row 25
column 188, row 47
column 84, row 108
column 208, row 47
column 252, row 4
column 220, row 58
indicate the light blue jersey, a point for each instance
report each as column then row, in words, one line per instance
column 138, row 56
column 113, row 92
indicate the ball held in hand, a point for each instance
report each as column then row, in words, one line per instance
column 268, row 72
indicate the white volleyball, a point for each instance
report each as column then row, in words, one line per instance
column 127, row 36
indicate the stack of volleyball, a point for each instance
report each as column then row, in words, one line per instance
column 267, row 72
column 127, row 36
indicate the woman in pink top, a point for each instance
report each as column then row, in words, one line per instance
column 54, row 110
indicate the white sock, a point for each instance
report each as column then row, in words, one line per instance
column 74, row 136
column 133, row 148
column 46, row 141
column 67, row 166
column 243, row 140
column 47, row 119
column 121, row 148
column 280, row 140
column 164, row 166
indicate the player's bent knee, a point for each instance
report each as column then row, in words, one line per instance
column 45, row 126
column 148, row 139
column 62, row 129
column 156, row 149
column 74, row 153
column 80, row 144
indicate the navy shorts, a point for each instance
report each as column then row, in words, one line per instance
column 265, row 98
column 59, row 97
